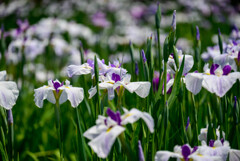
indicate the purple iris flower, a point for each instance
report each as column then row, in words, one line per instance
column 226, row 69
column 56, row 85
column 114, row 116
column 23, row 25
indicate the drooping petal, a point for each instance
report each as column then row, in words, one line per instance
column 188, row 64
column 140, row 88
column 219, row 84
column 40, row 94
column 110, row 93
column 74, row 94
column 234, row 155
column 3, row 75
column 166, row 155
column 8, row 94
column 92, row 91
column 194, row 82
column 102, row 144
column 78, row 69
column 134, row 115
column 94, row 131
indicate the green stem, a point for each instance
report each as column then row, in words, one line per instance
column 80, row 138
column 159, row 52
column 126, row 147
column 59, row 129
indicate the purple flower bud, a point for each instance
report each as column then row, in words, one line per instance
column 211, row 143
column 174, row 20
column 235, row 102
column 143, row 56
column 114, row 116
column 213, row 68
column 186, row 151
column 130, row 42
column 198, row 33
column 155, row 81
column 136, row 68
column 219, row 31
column 188, row 122
column 10, row 116
column 226, row 69
column 140, row 152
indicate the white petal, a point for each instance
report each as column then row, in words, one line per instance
column 74, row 95
column 219, row 84
column 92, row 91
column 140, row 88
column 63, row 97
column 225, row 59
column 94, row 131
column 166, row 155
column 234, row 155
column 134, row 115
column 188, row 64
column 40, row 94
column 169, row 84
column 102, row 144
column 110, row 93
column 8, row 94
column 194, row 82
column 78, row 69
column 3, row 75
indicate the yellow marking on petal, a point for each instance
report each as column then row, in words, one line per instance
column 67, row 87
column 200, row 155
column 208, row 73
column 214, row 147
column 111, row 82
column 127, row 115
column 108, row 130
column 46, row 86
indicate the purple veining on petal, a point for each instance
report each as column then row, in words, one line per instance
column 235, row 102
column 116, row 77
column 234, row 43
column 143, row 56
column 211, row 143
column 195, row 148
column 10, row 116
column 226, row 69
column 56, row 85
column 186, row 151
column 105, row 122
column 114, row 116
column 222, row 141
column 197, row 34
column 188, row 122
column 213, row 68
column 90, row 63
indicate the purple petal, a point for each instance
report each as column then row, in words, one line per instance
column 90, row 62
column 213, row 68
column 238, row 56
column 222, row 140
column 226, row 69
column 195, row 149
column 116, row 77
column 114, row 116
column 136, row 68
column 186, row 151
column 211, row 143
column 56, row 85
